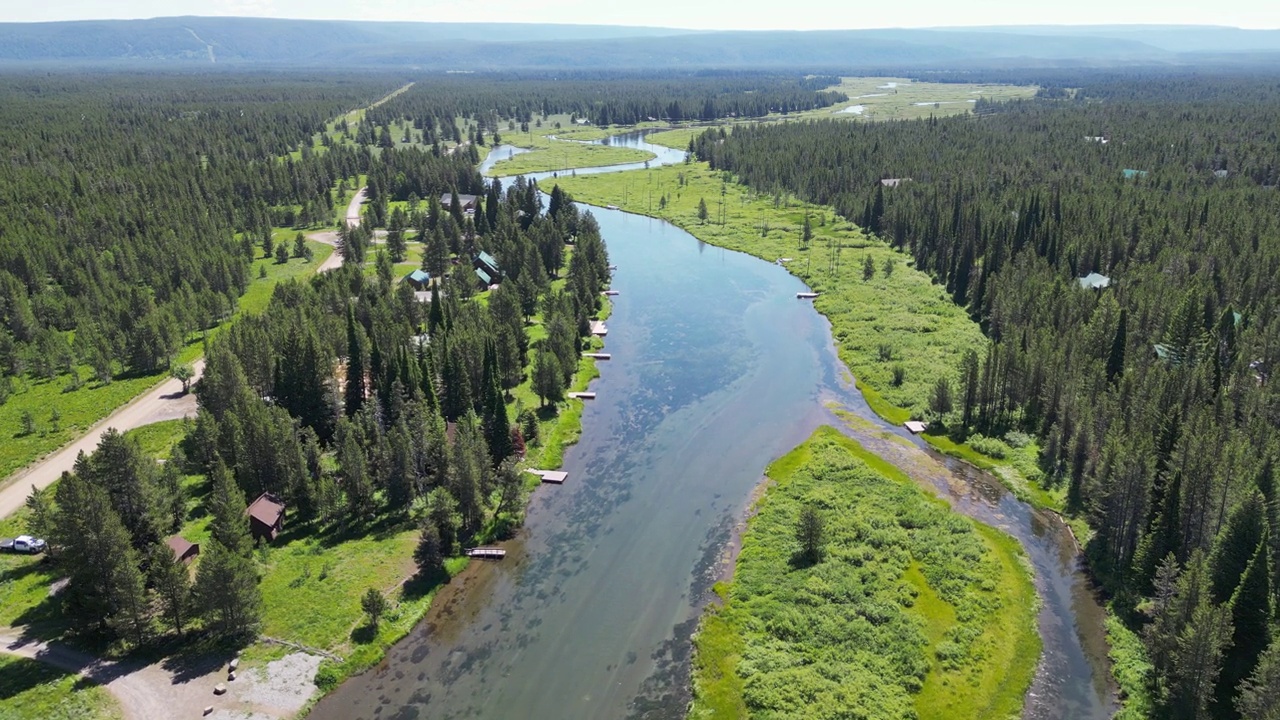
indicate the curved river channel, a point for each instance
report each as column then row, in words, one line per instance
column 716, row 370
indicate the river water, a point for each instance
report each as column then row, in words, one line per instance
column 717, row 369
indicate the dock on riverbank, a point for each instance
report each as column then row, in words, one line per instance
column 598, row 328
column 582, row 395
column 555, row 477
column 597, row 356
column 806, row 295
column 487, row 553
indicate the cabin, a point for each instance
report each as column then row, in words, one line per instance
column 184, row 551
column 487, row 269
column 266, row 517
column 894, row 182
column 468, row 202
column 1130, row 173
column 1221, row 174
column 419, row 279
column 1101, row 139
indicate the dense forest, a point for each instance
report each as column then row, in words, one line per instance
column 1120, row 249
column 619, row 99
column 136, row 202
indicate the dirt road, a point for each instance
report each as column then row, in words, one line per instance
column 144, row 691
column 330, row 237
column 162, row 402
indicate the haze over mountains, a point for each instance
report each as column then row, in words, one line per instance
column 196, row 41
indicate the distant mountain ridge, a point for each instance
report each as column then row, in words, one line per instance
column 504, row 46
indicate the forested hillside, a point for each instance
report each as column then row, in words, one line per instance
column 1149, row 387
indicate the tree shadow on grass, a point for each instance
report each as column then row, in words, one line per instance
column 423, row 583
column 364, row 634
column 23, row 675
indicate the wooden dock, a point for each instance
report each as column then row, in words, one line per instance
column 555, row 477
column 611, row 293
column 598, row 328
column 487, row 553
column 915, row 426
column 806, row 295
column 597, row 356
column 582, row 395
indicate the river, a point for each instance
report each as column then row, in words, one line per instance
column 717, row 369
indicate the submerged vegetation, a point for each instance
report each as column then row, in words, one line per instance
column 908, row 611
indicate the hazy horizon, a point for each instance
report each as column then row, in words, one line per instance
column 707, row 16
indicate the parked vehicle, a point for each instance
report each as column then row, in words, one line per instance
column 22, row 544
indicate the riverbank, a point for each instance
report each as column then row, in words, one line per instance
column 937, row 620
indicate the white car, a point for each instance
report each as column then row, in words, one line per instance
column 23, row 544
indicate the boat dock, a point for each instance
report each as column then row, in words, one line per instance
column 806, row 295
column 598, row 328
column 555, row 477
column 597, row 356
column 582, row 395
column 611, row 293
column 914, row 426
column 487, row 553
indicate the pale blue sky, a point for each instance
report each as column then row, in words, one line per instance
column 702, row 14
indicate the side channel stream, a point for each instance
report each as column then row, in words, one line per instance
column 716, row 370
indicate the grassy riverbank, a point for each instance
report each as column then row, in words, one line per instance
column 563, row 155
column 35, row 691
column 913, row 610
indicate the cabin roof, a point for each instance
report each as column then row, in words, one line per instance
column 420, row 275
column 179, row 545
column 266, row 509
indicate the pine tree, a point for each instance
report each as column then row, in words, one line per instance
column 1259, row 697
column 227, row 591
column 355, row 390
column 429, row 553
column 702, row 211
column 354, row 470
column 548, row 381
column 470, row 471
column 811, row 532
column 172, row 583
column 1250, row 616
column 1115, row 359
column 230, row 525
column 1236, row 546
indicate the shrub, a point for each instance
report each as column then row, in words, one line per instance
column 899, row 375
column 991, row 447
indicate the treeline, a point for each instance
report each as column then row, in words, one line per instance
column 135, row 204
column 433, row 104
column 1152, row 395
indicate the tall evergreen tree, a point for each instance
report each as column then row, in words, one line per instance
column 356, row 389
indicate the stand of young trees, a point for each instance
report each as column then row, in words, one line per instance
column 1152, row 396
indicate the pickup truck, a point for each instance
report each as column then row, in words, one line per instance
column 22, row 544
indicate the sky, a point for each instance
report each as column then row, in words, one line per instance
column 699, row 14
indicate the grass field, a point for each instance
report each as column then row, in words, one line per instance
column 34, row 691
column 913, row 611
column 568, row 155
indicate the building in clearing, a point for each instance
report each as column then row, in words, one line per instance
column 420, row 279
column 183, row 549
column 266, row 517
column 1130, row 173
column 894, row 182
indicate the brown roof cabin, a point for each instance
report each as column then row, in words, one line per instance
column 183, row 549
column 266, row 517
column 468, row 202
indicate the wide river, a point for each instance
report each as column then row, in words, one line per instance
column 717, row 369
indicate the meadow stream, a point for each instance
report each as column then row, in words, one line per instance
column 717, row 368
